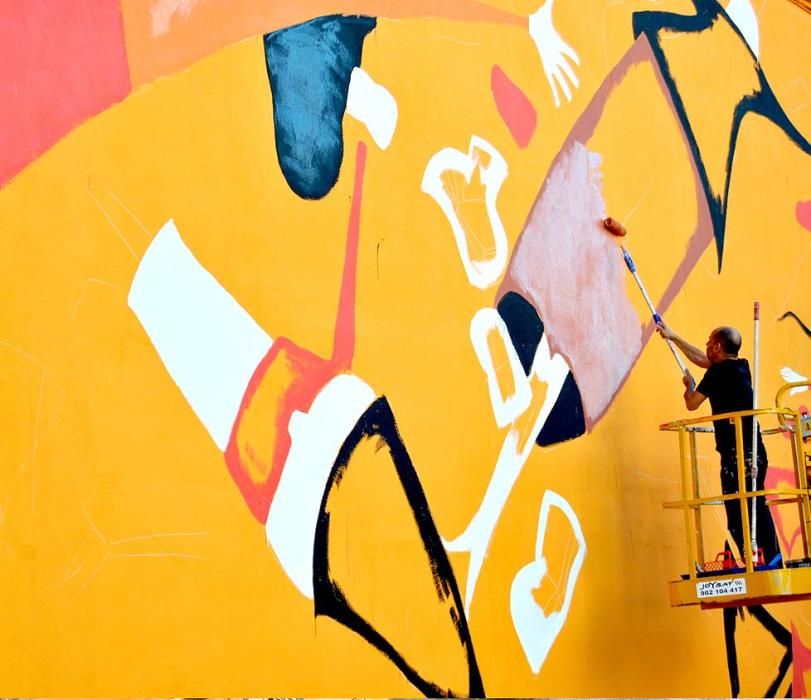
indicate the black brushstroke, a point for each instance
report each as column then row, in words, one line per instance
column 524, row 326
column 783, row 637
column 791, row 314
column 378, row 421
column 566, row 420
column 762, row 101
column 730, row 621
column 785, row 665
column 732, row 651
column 780, row 634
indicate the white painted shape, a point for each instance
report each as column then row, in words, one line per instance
column 372, row 105
column 536, row 630
column 316, row 438
column 554, row 52
column 480, row 273
column 476, row 538
column 790, row 376
column 744, row 17
column 505, row 410
column 208, row 343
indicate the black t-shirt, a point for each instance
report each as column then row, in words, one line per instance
column 728, row 386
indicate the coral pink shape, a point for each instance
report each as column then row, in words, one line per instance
column 60, row 63
column 801, row 658
column 514, row 107
column 803, row 213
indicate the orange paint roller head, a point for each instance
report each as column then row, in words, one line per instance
column 614, row 227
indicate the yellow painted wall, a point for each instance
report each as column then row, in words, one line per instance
column 130, row 563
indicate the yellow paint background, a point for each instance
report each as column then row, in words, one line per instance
column 99, row 443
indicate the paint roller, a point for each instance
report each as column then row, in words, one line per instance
column 615, row 228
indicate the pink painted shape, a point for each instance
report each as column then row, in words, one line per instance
column 601, row 376
column 801, row 661
column 803, row 212
column 60, row 63
column 514, row 107
column 571, row 270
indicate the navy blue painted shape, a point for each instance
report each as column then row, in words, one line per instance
column 309, row 66
column 762, row 101
column 566, row 421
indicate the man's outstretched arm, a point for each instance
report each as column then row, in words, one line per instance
column 692, row 398
column 696, row 355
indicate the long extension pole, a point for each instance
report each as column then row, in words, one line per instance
column 615, row 228
column 755, row 377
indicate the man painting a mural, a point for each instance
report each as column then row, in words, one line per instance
column 727, row 383
column 263, row 433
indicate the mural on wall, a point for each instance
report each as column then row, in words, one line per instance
column 290, row 424
column 362, row 242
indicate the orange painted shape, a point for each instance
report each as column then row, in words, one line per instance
column 166, row 36
column 287, row 380
column 501, row 364
column 468, row 200
column 482, row 158
column 559, row 551
column 259, row 430
column 527, row 419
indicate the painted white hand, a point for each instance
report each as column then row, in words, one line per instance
column 555, row 53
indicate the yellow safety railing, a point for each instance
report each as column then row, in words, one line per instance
column 789, row 421
column 778, row 403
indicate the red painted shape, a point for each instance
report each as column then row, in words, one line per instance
column 311, row 373
column 60, row 63
column 801, row 661
column 775, row 478
column 514, row 107
column 343, row 346
column 803, row 213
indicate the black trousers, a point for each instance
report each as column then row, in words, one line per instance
column 766, row 535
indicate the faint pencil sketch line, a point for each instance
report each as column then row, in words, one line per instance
column 110, row 221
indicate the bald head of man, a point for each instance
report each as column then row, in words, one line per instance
column 724, row 343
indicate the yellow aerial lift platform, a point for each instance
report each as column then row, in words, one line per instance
column 727, row 582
